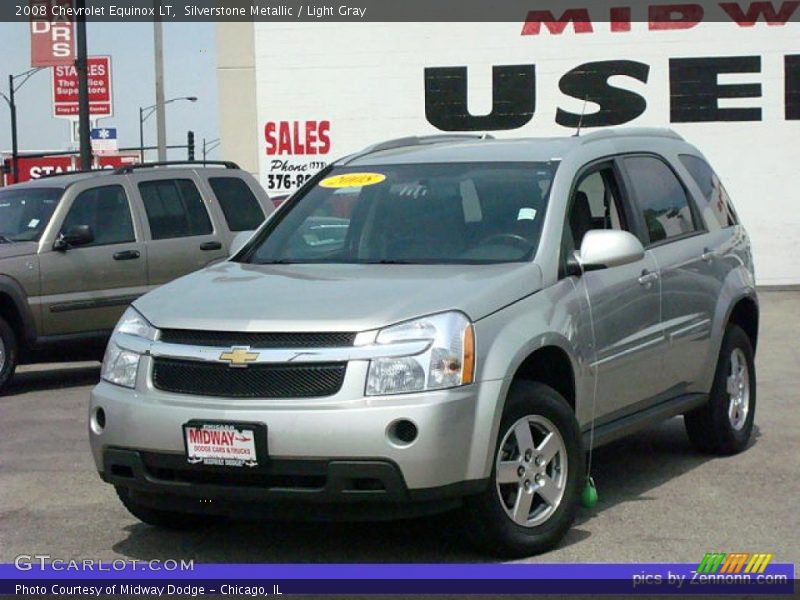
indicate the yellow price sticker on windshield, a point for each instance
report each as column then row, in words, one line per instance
column 352, row 180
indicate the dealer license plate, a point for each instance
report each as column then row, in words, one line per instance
column 221, row 444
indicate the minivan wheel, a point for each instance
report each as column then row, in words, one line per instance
column 162, row 519
column 725, row 423
column 533, row 494
column 9, row 353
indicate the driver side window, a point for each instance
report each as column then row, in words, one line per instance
column 106, row 211
column 595, row 204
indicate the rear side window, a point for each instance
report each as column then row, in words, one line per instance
column 718, row 208
column 239, row 205
column 174, row 208
column 661, row 198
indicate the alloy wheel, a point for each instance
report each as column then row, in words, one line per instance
column 531, row 467
column 738, row 388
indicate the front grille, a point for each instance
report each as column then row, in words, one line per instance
column 226, row 339
column 254, row 381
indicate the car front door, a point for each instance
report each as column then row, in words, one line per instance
column 683, row 248
column 622, row 303
column 86, row 287
column 182, row 237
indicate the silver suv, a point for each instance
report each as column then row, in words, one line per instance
column 76, row 249
column 437, row 323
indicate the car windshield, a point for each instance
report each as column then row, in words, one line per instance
column 25, row 212
column 467, row 213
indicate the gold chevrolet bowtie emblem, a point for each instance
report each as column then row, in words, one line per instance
column 238, row 356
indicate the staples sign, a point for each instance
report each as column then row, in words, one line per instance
column 65, row 89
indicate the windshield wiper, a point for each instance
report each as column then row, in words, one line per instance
column 5, row 240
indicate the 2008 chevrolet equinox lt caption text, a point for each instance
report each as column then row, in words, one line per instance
column 437, row 323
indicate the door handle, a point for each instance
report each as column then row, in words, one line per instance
column 211, row 246
column 127, row 255
column 707, row 255
column 647, row 278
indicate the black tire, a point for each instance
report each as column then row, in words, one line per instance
column 487, row 524
column 709, row 427
column 10, row 354
column 162, row 519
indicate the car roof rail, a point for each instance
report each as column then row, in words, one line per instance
column 418, row 140
column 172, row 163
column 422, row 140
column 624, row 132
column 76, row 172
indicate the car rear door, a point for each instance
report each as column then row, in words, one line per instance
column 86, row 288
column 182, row 237
column 683, row 248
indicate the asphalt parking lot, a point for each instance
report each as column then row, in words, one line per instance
column 659, row 500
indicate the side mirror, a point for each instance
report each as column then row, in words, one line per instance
column 606, row 248
column 239, row 241
column 77, row 235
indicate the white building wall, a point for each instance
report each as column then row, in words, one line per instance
column 365, row 82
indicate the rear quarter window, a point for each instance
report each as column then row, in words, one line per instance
column 239, row 204
column 716, row 206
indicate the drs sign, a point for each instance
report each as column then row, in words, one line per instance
column 52, row 35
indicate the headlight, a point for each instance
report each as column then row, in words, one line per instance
column 448, row 362
column 120, row 365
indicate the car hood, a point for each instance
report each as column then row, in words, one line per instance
column 333, row 297
column 17, row 249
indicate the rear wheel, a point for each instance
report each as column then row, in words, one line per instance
column 163, row 519
column 724, row 425
column 532, row 498
column 9, row 353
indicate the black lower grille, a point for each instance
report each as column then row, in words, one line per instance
column 257, row 339
column 254, row 381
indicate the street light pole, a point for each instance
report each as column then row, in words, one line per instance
column 161, row 115
column 14, row 143
column 141, row 134
column 83, row 89
column 145, row 112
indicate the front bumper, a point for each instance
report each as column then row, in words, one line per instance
column 338, row 489
column 341, row 439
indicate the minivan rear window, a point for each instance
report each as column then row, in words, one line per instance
column 717, row 209
column 239, row 204
column 174, row 209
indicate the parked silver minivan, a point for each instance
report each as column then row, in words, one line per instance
column 438, row 323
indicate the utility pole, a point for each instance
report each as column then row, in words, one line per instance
column 83, row 88
column 158, row 47
column 12, row 106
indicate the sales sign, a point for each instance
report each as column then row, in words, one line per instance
column 65, row 89
column 52, row 35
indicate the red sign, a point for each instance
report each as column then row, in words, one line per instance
column 65, row 89
column 34, row 168
column 52, row 33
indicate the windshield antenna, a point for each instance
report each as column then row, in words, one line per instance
column 583, row 112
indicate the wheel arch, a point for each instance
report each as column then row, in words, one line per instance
column 744, row 313
column 14, row 308
column 550, row 365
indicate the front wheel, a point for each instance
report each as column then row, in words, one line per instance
column 9, row 353
column 725, row 423
column 533, row 494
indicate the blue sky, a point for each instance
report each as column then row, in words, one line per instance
column 190, row 70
